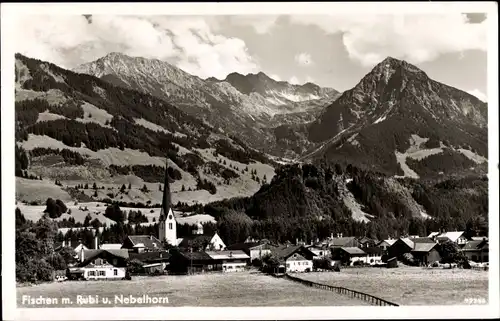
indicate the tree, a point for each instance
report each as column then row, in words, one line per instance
column 55, row 208
column 183, row 188
column 122, row 189
column 88, row 219
column 94, row 186
column 68, row 255
column 129, row 185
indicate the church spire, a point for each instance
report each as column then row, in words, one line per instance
column 166, row 202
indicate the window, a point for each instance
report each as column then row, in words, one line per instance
column 320, row 253
column 115, row 272
column 170, row 217
column 91, row 273
column 170, row 225
column 102, row 273
column 288, row 265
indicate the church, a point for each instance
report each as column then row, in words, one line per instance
column 167, row 228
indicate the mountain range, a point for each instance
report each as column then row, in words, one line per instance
column 118, row 120
column 247, row 106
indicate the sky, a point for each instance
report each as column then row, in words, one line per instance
column 329, row 50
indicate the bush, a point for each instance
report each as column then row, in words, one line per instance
column 34, row 271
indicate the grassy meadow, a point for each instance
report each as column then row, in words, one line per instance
column 410, row 285
column 240, row 289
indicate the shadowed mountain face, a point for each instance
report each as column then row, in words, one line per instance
column 246, row 106
column 396, row 112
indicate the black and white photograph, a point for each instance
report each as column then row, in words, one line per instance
column 280, row 160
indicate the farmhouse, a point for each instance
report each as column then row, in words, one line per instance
column 348, row 255
column 229, row 261
column 366, row 242
column 255, row 250
column 320, row 251
column 425, row 253
column 373, row 254
column 191, row 262
column 385, row 244
column 154, row 260
column 400, row 247
column 101, row 265
column 199, row 241
column 295, row 258
column 477, row 251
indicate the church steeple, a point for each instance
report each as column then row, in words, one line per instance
column 167, row 223
column 166, row 201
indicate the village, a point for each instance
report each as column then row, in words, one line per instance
column 202, row 252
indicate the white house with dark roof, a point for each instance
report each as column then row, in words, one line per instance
column 231, row 261
column 101, row 265
column 457, row 237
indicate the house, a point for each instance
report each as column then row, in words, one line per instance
column 199, row 241
column 186, row 262
column 373, row 254
column 256, row 250
column 366, row 242
column 425, row 253
column 348, row 255
column 457, row 237
column 321, row 251
column 101, row 265
column 295, row 258
column 229, row 261
column 400, row 247
column 142, row 243
column 477, row 250
column 154, row 260
column 385, row 244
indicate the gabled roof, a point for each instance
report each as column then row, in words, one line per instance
column 365, row 239
column 91, row 255
column 423, row 240
column 475, row 245
column 185, row 243
column 341, row 241
column 453, row 236
column 424, row 247
column 149, row 241
column 283, row 252
column 247, row 246
column 353, row 250
column 408, row 242
column 227, row 255
column 195, row 256
column 390, row 242
column 153, row 256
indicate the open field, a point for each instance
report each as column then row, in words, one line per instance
column 220, row 290
column 410, row 285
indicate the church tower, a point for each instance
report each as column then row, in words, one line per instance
column 167, row 223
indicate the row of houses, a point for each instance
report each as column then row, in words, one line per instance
column 201, row 252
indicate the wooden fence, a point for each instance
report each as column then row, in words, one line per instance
column 354, row 294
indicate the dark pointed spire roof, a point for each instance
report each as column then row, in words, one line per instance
column 166, row 202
